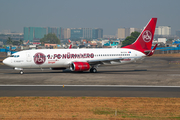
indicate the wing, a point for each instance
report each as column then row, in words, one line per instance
column 103, row 61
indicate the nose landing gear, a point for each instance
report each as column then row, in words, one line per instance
column 21, row 72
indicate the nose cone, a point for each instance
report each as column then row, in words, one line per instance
column 6, row 61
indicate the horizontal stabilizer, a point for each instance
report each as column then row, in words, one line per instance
column 150, row 52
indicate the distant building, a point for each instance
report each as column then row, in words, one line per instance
column 76, row 33
column 109, row 36
column 163, row 30
column 135, row 29
column 36, row 33
column 122, row 33
column 162, row 40
column 97, row 33
column 86, row 33
column 67, row 33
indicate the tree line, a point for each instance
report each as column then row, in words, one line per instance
column 130, row 39
column 14, row 42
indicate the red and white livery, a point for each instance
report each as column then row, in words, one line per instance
column 85, row 59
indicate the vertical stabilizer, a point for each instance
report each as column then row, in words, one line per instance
column 144, row 41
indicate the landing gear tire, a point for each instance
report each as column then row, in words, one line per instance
column 93, row 70
column 21, row 72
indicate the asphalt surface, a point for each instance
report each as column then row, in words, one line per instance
column 96, row 91
column 153, row 71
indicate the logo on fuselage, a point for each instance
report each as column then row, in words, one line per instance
column 39, row 58
column 147, row 36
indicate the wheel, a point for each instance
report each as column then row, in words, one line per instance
column 21, row 72
column 93, row 70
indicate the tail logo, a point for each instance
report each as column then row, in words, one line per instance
column 147, row 35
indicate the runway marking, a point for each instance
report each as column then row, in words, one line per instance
column 89, row 86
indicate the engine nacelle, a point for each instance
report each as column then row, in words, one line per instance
column 80, row 66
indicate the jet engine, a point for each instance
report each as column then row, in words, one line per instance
column 80, row 66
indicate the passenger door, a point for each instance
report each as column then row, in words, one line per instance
column 28, row 57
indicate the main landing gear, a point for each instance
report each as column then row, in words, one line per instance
column 93, row 70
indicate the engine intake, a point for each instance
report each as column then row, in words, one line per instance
column 80, row 66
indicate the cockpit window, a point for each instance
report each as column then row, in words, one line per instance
column 14, row 56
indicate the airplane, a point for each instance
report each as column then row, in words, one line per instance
column 85, row 59
column 70, row 46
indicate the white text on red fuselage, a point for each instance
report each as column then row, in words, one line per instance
column 70, row 56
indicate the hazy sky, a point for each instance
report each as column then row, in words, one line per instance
column 106, row 14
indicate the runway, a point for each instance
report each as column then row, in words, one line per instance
column 90, row 90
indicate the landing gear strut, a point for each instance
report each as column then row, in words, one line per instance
column 93, row 70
